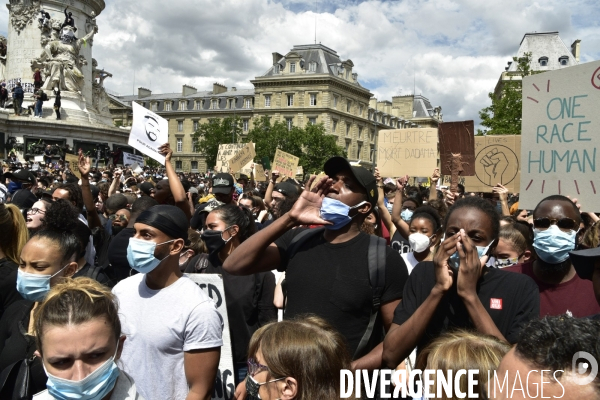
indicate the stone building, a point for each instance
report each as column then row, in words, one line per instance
column 309, row 84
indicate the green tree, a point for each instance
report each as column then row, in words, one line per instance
column 318, row 148
column 215, row 132
column 503, row 116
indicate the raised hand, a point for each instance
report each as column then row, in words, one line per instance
column 470, row 266
column 435, row 177
column 84, row 165
column 307, row 209
column 443, row 272
column 166, row 151
column 495, row 164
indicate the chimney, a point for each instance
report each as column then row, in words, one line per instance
column 188, row 90
column 233, row 89
column 143, row 92
column 575, row 49
column 218, row 88
column 276, row 57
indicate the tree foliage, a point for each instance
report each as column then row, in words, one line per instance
column 215, row 132
column 503, row 116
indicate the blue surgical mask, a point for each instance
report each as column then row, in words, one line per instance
column 336, row 212
column 553, row 245
column 454, row 260
column 95, row 386
column 406, row 215
column 34, row 287
column 140, row 255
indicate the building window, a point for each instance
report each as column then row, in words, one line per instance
column 178, row 165
column 248, row 103
column 334, row 126
column 290, row 100
column 194, row 166
column 347, row 146
column 543, row 61
column 198, row 105
column 348, row 105
column 312, row 67
column 335, row 101
column 179, row 126
column 360, row 110
column 214, row 104
column 358, row 150
column 564, row 60
column 371, row 152
column 292, row 67
column 312, row 121
column 231, row 104
column 313, row 99
column 179, row 145
column 167, row 106
column 182, row 105
column 289, row 121
column 267, row 100
column 347, row 129
column 360, row 132
column 196, row 126
column 372, row 134
column 194, row 145
column 154, row 106
column 246, row 124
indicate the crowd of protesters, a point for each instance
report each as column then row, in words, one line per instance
column 351, row 271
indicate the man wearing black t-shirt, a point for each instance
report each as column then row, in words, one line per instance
column 328, row 275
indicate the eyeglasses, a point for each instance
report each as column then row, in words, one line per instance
column 34, row 211
column 121, row 217
column 564, row 224
column 254, row 367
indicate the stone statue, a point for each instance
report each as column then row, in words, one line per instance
column 99, row 97
column 3, row 49
column 62, row 62
column 69, row 21
column 99, row 75
column 22, row 12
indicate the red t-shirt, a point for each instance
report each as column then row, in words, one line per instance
column 575, row 296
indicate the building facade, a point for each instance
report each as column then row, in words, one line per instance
column 309, row 84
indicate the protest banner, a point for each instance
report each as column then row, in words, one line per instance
column 411, row 152
column 457, row 137
column 130, row 159
column 38, row 158
column 259, row 173
column 243, row 157
column 212, row 285
column 149, row 131
column 73, row 161
column 560, row 136
column 497, row 160
column 285, row 163
column 226, row 152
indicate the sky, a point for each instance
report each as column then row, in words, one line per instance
column 451, row 52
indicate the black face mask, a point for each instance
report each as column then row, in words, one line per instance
column 214, row 243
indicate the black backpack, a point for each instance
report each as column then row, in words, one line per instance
column 376, row 259
column 44, row 96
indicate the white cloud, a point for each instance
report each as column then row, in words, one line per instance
column 454, row 49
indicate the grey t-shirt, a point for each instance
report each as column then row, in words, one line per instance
column 160, row 326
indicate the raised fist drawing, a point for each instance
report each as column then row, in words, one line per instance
column 495, row 164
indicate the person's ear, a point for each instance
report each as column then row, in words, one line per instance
column 71, row 269
column 120, row 344
column 233, row 230
column 178, row 246
column 525, row 257
column 289, row 388
column 365, row 208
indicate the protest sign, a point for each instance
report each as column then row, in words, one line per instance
column 243, row 157
column 300, row 171
column 497, row 160
column 560, row 136
column 226, row 152
column 259, row 173
column 73, row 161
column 285, row 163
column 38, row 158
column 212, row 285
column 457, row 137
column 411, row 152
column 35, row 166
column 130, row 159
column 149, row 131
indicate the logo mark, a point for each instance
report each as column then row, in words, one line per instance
column 496, row 304
column 582, row 368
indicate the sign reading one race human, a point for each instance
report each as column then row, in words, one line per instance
column 561, row 136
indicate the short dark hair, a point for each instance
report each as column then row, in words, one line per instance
column 59, row 225
column 558, row 197
column 551, row 343
column 429, row 213
column 479, row 204
column 142, row 204
column 75, row 195
column 116, row 202
column 232, row 214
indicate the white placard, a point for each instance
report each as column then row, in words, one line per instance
column 130, row 159
column 212, row 285
column 149, row 131
column 38, row 158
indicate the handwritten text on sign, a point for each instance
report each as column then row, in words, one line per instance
column 285, row 163
column 407, row 151
column 243, row 157
column 560, row 137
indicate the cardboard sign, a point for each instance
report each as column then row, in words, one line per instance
column 226, row 152
column 212, row 285
column 73, row 161
column 457, row 137
column 149, row 131
column 38, row 158
column 561, row 136
column 242, row 157
column 285, row 163
column 259, row 173
column 497, row 160
column 300, row 171
column 407, row 151
column 130, row 159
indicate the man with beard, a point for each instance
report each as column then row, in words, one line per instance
column 556, row 220
column 120, row 219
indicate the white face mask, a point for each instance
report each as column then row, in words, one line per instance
column 419, row 242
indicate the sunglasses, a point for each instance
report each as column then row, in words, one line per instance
column 254, row 367
column 564, row 224
column 121, row 217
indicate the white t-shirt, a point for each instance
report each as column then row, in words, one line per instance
column 409, row 260
column 160, row 326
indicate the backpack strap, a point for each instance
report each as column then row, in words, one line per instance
column 376, row 260
column 299, row 240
